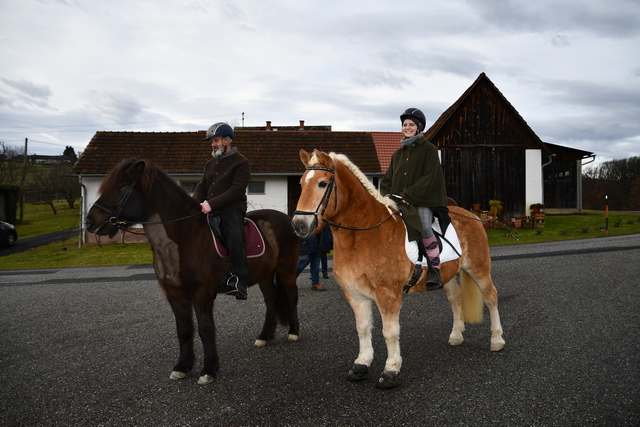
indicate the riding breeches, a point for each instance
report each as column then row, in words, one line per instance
column 232, row 225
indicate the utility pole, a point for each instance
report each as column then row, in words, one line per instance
column 24, row 179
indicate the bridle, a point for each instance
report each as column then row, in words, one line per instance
column 324, row 202
column 124, row 224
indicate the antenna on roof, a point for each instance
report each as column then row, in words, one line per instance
column 243, row 119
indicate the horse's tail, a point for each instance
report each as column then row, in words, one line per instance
column 472, row 301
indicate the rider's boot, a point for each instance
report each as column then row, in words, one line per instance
column 433, row 253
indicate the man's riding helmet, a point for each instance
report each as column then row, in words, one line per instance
column 220, row 129
column 416, row 117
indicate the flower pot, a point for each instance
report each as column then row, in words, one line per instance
column 476, row 206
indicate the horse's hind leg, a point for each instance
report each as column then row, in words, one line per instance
column 270, row 295
column 182, row 311
column 452, row 290
column 490, row 297
column 287, row 302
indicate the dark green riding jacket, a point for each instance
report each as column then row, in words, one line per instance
column 415, row 175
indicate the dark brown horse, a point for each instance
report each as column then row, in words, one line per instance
column 185, row 261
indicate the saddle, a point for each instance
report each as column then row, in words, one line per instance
column 255, row 241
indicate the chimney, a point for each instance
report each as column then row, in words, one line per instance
column 268, row 125
column 301, row 124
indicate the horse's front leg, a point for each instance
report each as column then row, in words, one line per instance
column 182, row 311
column 361, row 306
column 203, row 305
column 389, row 306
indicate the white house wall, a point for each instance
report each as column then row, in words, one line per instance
column 274, row 197
column 533, row 176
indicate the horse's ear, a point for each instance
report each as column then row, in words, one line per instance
column 322, row 157
column 305, row 157
column 140, row 165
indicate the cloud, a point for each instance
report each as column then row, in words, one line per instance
column 15, row 93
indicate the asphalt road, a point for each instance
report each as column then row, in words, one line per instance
column 95, row 347
column 37, row 241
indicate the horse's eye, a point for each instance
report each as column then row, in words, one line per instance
column 322, row 184
column 119, row 186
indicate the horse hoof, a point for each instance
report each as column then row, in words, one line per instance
column 177, row 375
column 358, row 373
column 388, row 380
column 293, row 337
column 456, row 341
column 205, row 379
column 497, row 346
column 260, row 343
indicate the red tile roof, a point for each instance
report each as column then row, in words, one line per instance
column 270, row 152
column 386, row 144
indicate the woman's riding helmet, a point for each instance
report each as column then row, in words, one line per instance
column 416, row 116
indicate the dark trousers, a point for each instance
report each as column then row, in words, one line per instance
column 232, row 225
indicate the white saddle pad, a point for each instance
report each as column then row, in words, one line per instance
column 447, row 253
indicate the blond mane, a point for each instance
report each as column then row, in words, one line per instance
column 388, row 203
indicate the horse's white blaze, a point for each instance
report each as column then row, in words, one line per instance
column 309, row 176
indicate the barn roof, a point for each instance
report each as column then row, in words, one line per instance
column 270, row 152
column 454, row 112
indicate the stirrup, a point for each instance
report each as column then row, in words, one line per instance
column 232, row 282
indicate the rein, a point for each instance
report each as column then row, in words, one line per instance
column 123, row 224
column 324, row 202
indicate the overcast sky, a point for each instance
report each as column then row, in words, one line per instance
column 69, row 68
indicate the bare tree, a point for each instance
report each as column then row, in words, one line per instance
column 13, row 170
column 54, row 183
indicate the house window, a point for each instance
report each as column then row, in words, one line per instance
column 256, row 187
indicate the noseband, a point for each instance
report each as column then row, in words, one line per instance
column 324, row 202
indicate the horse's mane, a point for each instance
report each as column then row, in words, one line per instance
column 146, row 179
column 385, row 201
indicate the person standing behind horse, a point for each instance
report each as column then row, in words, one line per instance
column 415, row 180
column 222, row 193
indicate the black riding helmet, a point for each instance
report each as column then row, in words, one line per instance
column 219, row 129
column 416, row 116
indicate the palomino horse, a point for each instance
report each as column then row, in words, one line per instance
column 370, row 261
column 185, row 261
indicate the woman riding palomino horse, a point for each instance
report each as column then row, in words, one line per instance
column 368, row 237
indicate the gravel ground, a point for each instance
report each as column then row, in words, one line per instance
column 95, row 346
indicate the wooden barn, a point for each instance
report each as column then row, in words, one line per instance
column 488, row 151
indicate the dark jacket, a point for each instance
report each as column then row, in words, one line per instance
column 415, row 174
column 308, row 245
column 224, row 183
column 326, row 240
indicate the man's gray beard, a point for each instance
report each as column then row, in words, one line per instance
column 217, row 152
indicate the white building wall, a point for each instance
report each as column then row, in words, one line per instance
column 274, row 197
column 533, row 173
